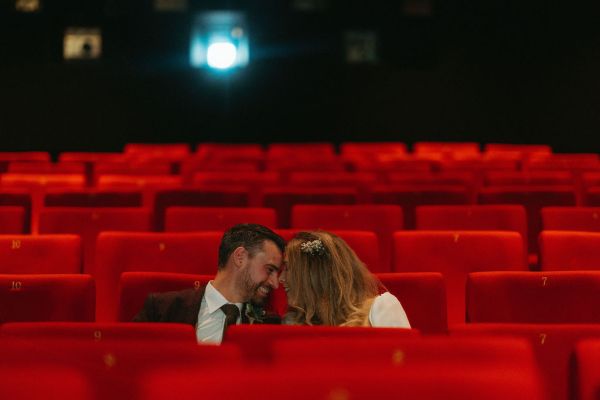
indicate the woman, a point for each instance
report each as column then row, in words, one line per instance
column 327, row 284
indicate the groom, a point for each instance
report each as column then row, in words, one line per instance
column 250, row 258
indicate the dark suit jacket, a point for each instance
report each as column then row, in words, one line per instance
column 183, row 306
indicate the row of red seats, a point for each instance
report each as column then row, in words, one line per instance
column 431, row 300
column 381, row 219
column 462, row 368
column 476, row 361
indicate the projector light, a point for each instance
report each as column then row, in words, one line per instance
column 219, row 40
column 221, row 55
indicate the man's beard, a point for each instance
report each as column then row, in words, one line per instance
column 249, row 289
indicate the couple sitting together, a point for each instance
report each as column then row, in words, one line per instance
column 325, row 282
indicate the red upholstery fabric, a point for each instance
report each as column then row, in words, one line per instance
column 384, row 220
column 534, row 297
column 12, row 220
column 497, row 178
column 114, row 367
column 89, row 222
column 571, row 219
column 46, row 167
column 115, row 181
column 423, row 297
column 301, row 150
column 185, row 219
column 118, row 252
column 18, row 198
column 411, row 196
column 460, row 148
column 399, row 350
column 564, row 250
column 236, row 178
column 283, row 198
column 43, row 381
column 36, row 181
column 475, row 217
column 455, row 254
column 225, row 196
column 51, row 297
column 247, row 336
column 158, row 149
column 134, row 287
column 591, row 196
column 93, row 198
column 363, row 383
column 586, row 369
column 553, row 346
column 93, row 332
column 522, row 148
column 8, row 156
column 533, row 198
column 45, row 254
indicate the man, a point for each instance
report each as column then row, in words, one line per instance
column 250, row 258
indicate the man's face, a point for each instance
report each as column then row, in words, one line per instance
column 261, row 273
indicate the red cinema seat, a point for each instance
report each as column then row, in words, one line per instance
column 118, row 252
column 384, row 220
column 423, row 297
column 134, row 288
column 571, row 219
column 43, row 381
column 591, row 196
column 185, row 219
column 250, row 178
column 282, row 199
column 46, row 297
column 411, row 196
column 553, row 346
column 89, row 222
column 586, row 370
column 351, row 148
column 93, row 198
column 12, row 220
column 521, row 148
column 94, row 332
column 40, row 181
column 230, row 151
column 474, row 217
column 405, row 352
column 533, row 198
column 534, row 297
column 497, row 178
column 18, row 198
column 455, row 254
column 301, row 150
column 44, row 254
column 6, row 157
column 246, row 336
column 572, row 251
column 131, row 167
column 180, row 150
column 363, row 384
column 114, row 367
column 447, row 148
column 139, row 182
column 223, row 196
column 46, row 167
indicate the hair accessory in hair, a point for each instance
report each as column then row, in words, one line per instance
column 313, row 247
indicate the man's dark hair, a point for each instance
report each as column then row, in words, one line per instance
column 249, row 236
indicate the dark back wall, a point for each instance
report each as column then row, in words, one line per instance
column 500, row 71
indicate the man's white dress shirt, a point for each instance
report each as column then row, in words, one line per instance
column 211, row 318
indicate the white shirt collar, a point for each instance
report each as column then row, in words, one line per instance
column 214, row 299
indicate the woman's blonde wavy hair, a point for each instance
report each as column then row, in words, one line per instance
column 330, row 288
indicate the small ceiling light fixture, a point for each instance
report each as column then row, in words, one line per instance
column 28, row 6
column 82, row 43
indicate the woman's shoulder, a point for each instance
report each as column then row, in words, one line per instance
column 386, row 311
